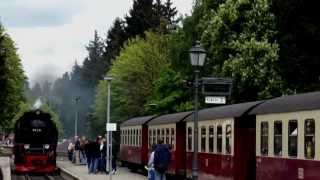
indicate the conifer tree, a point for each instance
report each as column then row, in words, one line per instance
column 12, row 80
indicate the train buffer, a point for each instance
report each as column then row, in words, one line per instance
column 80, row 172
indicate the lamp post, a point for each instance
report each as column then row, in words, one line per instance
column 197, row 57
column 77, row 99
column 109, row 134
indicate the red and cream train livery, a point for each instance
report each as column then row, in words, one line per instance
column 264, row 140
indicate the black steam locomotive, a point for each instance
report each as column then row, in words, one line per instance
column 36, row 137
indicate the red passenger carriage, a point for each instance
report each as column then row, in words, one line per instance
column 268, row 140
column 134, row 142
column 171, row 129
column 288, row 138
column 226, row 143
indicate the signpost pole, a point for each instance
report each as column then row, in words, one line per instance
column 109, row 138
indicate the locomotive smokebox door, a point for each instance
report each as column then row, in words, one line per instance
column 216, row 86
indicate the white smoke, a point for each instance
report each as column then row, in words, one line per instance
column 37, row 104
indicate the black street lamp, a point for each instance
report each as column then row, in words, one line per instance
column 197, row 57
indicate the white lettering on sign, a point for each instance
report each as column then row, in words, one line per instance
column 111, row 127
column 216, row 100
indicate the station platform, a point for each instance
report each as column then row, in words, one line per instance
column 81, row 172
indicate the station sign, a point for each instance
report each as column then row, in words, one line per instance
column 111, row 127
column 215, row 100
column 216, row 86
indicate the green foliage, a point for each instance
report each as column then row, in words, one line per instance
column 11, row 80
column 169, row 95
column 298, row 38
column 240, row 41
column 139, row 64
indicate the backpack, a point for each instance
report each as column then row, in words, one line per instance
column 162, row 158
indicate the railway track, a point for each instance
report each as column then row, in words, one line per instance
column 35, row 177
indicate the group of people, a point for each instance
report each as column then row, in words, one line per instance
column 159, row 161
column 91, row 153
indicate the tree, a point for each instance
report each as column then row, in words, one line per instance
column 140, row 18
column 169, row 94
column 114, row 42
column 93, row 66
column 12, row 80
column 240, row 41
column 298, row 37
column 135, row 70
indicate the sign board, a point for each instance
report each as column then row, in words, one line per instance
column 216, row 86
column 216, row 100
column 111, row 127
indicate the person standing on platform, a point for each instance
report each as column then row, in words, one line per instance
column 95, row 156
column 88, row 150
column 162, row 158
column 151, row 175
column 77, row 150
column 70, row 150
column 103, row 153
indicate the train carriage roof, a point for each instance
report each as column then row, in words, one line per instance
column 137, row 121
column 292, row 103
column 227, row 111
column 170, row 118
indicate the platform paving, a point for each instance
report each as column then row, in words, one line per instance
column 81, row 172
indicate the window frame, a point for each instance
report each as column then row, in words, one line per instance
column 190, row 139
column 211, row 137
column 219, row 139
column 228, row 138
column 293, row 136
column 264, row 134
column 309, row 135
column 277, row 136
column 173, row 138
column 203, row 139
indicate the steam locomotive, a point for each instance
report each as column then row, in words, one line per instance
column 36, row 137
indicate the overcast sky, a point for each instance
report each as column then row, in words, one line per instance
column 51, row 34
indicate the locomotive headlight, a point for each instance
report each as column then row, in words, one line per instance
column 26, row 146
column 46, row 146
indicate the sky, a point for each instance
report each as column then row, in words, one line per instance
column 52, row 34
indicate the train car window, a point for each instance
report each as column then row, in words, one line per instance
column 133, row 137
column 154, row 138
column 211, row 138
column 137, row 137
column 293, row 138
column 190, row 138
column 150, row 138
column 309, row 138
column 219, row 139
column 121, row 137
column 129, row 137
column 167, row 136
column 162, row 135
column 277, row 138
column 228, row 139
column 158, row 135
column 264, row 138
column 172, row 138
column 203, row 138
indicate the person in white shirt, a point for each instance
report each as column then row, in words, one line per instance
column 150, row 164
